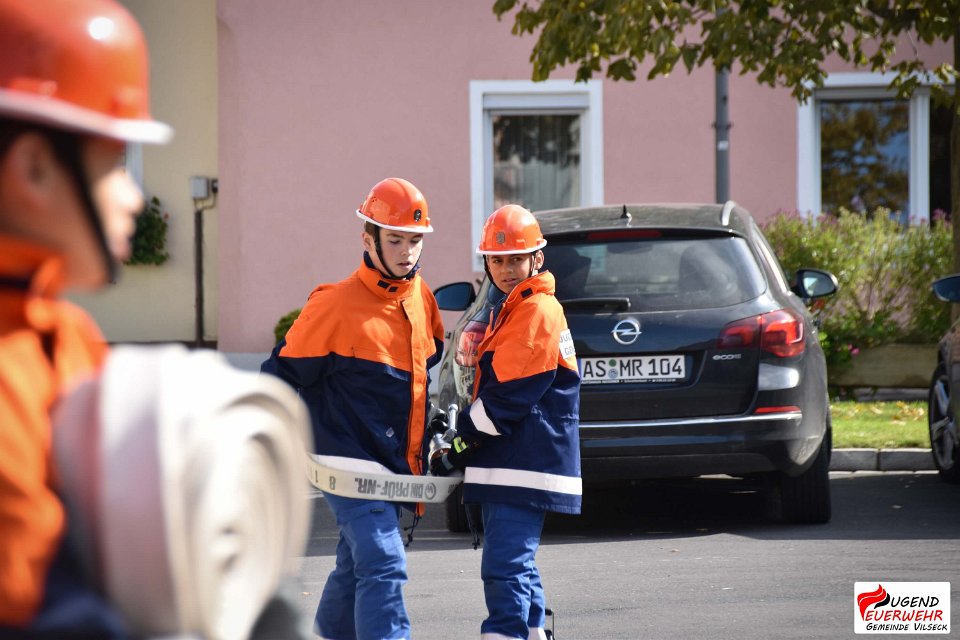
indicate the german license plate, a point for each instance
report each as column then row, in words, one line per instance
column 665, row 368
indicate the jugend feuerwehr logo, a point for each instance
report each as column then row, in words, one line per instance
column 901, row 607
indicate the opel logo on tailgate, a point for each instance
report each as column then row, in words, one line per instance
column 627, row 331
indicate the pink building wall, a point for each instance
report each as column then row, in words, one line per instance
column 659, row 142
column 319, row 99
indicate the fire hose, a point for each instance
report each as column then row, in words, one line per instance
column 340, row 477
column 382, row 485
column 183, row 478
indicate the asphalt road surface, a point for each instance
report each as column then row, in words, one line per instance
column 689, row 560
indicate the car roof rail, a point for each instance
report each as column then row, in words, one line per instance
column 725, row 214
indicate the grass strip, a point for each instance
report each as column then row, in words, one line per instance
column 880, row 425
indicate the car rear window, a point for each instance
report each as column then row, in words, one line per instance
column 657, row 274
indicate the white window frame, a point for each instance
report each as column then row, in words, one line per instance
column 524, row 96
column 133, row 162
column 862, row 86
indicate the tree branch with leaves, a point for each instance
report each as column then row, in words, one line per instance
column 784, row 42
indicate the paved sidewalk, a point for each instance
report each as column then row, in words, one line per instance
column 906, row 459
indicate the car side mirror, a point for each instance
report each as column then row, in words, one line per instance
column 456, row 296
column 814, row 283
column 947, row 288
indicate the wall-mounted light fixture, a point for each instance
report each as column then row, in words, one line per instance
column 201, row 187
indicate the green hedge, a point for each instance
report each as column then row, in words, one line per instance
column 283, row 325
column 884, row 270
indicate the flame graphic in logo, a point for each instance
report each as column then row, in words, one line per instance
column 876, row 598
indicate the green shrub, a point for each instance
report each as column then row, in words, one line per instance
column 283, row 324
column 150, row 238
column 884, row 271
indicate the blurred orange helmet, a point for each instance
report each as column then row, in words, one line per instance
column 396, row 204
column 76, row 65
column 510, row 229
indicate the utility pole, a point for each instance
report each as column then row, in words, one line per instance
column 722, row 130
column 203, row 190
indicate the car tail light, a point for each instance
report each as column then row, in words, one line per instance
column 740, row 334
column 778, row 332
column 782, row 333
column 470, row 339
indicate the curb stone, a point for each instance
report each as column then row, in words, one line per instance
column 906, row 459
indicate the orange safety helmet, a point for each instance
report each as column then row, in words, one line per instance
column 80, row 66
column 510, row 229
column 396, row 204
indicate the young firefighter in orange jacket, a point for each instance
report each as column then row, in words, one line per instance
column 73, row 91
column 519, row 439
column 359, row 354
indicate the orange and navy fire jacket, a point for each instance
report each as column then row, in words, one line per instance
column 359, row 355
column 46, row 346
column 526, row 405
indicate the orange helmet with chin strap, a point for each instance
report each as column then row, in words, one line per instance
column 510, row 229
column 71, row 68
column 396, row 204
column 79, row 66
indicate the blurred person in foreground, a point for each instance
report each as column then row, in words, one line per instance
column 73, row 92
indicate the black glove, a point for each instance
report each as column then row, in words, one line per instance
column 456, row 457
column 439, row 423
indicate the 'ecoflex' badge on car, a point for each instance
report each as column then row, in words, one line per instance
column 901, row 607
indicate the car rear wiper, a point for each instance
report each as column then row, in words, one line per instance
column 610, row 303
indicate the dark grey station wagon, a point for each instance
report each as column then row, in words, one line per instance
column 697, row 355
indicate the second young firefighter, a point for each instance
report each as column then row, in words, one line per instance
column 519, row 441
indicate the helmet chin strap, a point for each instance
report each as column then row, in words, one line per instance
column 533, row 270
column 486, row 268
column 67, row 148
column 383, row 263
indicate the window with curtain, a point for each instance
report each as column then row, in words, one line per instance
column 538, row 144
column 536, row 160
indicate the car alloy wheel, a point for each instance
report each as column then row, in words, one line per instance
column 944, row 443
